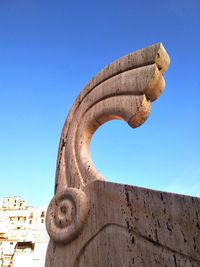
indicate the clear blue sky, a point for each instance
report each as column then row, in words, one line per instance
column 50, row 49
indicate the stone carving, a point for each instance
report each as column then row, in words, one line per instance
column 66, row 214
column 94, row 223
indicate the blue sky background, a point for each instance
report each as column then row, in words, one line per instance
column 50, row 49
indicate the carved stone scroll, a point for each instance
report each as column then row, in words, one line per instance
column 96, row 223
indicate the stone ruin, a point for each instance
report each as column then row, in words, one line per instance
column 94, row 223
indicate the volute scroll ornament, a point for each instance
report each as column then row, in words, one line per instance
column 66, row 214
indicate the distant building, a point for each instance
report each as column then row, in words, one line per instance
column 23, row 236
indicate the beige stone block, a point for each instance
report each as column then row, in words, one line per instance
column 132, row 226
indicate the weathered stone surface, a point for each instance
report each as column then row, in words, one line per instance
column 96, row 223
column 131, row 226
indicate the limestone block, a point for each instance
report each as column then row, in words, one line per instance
column 94, row 223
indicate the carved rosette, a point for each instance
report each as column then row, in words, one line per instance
column 66, row 215
column 123, row 90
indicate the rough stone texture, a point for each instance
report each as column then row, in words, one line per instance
column 131, row 226
column 96, row 223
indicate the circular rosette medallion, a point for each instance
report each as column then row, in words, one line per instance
column 66, row 215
